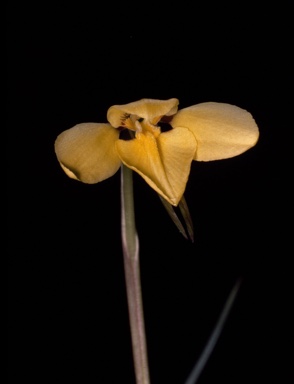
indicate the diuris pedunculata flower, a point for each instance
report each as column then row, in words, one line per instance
column 92, row 152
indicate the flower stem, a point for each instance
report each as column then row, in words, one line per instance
column 130, row 245
column 198, row 368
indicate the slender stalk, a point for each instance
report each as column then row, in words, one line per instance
column 130, row 245
column 198, row 368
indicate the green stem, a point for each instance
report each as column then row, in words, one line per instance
column 130, row 245
column 197, row 370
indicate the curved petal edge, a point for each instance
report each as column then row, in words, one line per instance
column 221, row 130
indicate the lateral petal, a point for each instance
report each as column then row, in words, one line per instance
column 163, row 162
column 221, row 130
column 87, row 152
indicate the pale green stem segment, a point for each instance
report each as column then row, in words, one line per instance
column 130, row 245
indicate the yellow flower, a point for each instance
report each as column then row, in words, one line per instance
column 92, row 152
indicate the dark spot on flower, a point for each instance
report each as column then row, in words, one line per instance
column 124, row 118
column 126, row 134
column 166, row 119
column 164, row 127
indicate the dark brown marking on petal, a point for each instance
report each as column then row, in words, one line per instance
column 166, row 119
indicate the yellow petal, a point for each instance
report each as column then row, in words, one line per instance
column 87, row 152
column 150, row 109
column 163, row 162
column 221, row 130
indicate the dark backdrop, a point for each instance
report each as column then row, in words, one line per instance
column 67, row 310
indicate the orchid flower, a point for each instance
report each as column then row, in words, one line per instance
column 92, row 152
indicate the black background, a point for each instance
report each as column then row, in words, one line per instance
column 67, row 310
